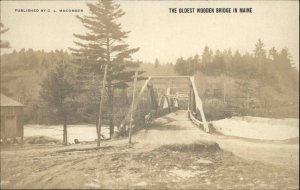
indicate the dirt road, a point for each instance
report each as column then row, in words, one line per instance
column 170, row 154
column 176, row 128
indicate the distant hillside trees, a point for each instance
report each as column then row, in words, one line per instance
column 189, row 66
column 104, row 43
column 271, row 90
column 3, row 44
column 264, row 80
column 21, row 80
column 28, row 59
column 266, row 67
column 21, row 75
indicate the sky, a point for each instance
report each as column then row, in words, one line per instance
column 159, row 33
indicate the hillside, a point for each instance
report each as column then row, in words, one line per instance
column 22, row 73
column 224, row 94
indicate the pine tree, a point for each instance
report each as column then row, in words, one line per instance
column 58, row 92
column 207, row 56
column 259, row 52
column 260, row 57
column 3, row 44
column 273, row 54
column 104, row 44
column 180, row 66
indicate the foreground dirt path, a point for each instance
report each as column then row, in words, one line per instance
column 176, row 128
column 173, row 153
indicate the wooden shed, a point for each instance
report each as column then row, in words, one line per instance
column 12, row 125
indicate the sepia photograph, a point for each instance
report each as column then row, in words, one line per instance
column 148, row 94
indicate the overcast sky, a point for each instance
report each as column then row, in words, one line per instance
column 157, row 32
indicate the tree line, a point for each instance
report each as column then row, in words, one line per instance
column 271, row 65
column 268, row 78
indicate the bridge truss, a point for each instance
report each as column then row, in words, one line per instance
column 169, row 102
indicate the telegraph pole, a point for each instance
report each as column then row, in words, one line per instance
column 101, row 107
column 131, row 114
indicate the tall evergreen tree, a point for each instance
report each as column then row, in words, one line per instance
column 180, row 66
column 273, row 54
column 260, row 56
column 3, row 44
column 286, row 58
column 104, row 44
column 206, row 56
column 259, row 51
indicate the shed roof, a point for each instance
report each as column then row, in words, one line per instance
column 6, row 101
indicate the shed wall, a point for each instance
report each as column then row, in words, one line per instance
column 12, row 124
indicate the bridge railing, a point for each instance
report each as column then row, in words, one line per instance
column 196, row 107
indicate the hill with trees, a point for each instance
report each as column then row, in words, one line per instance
column 261, row 83
column 22, row 73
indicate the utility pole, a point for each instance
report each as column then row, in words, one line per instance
column 133, row 99
column 101, row 107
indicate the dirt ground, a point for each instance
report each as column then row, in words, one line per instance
column 172, row 153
